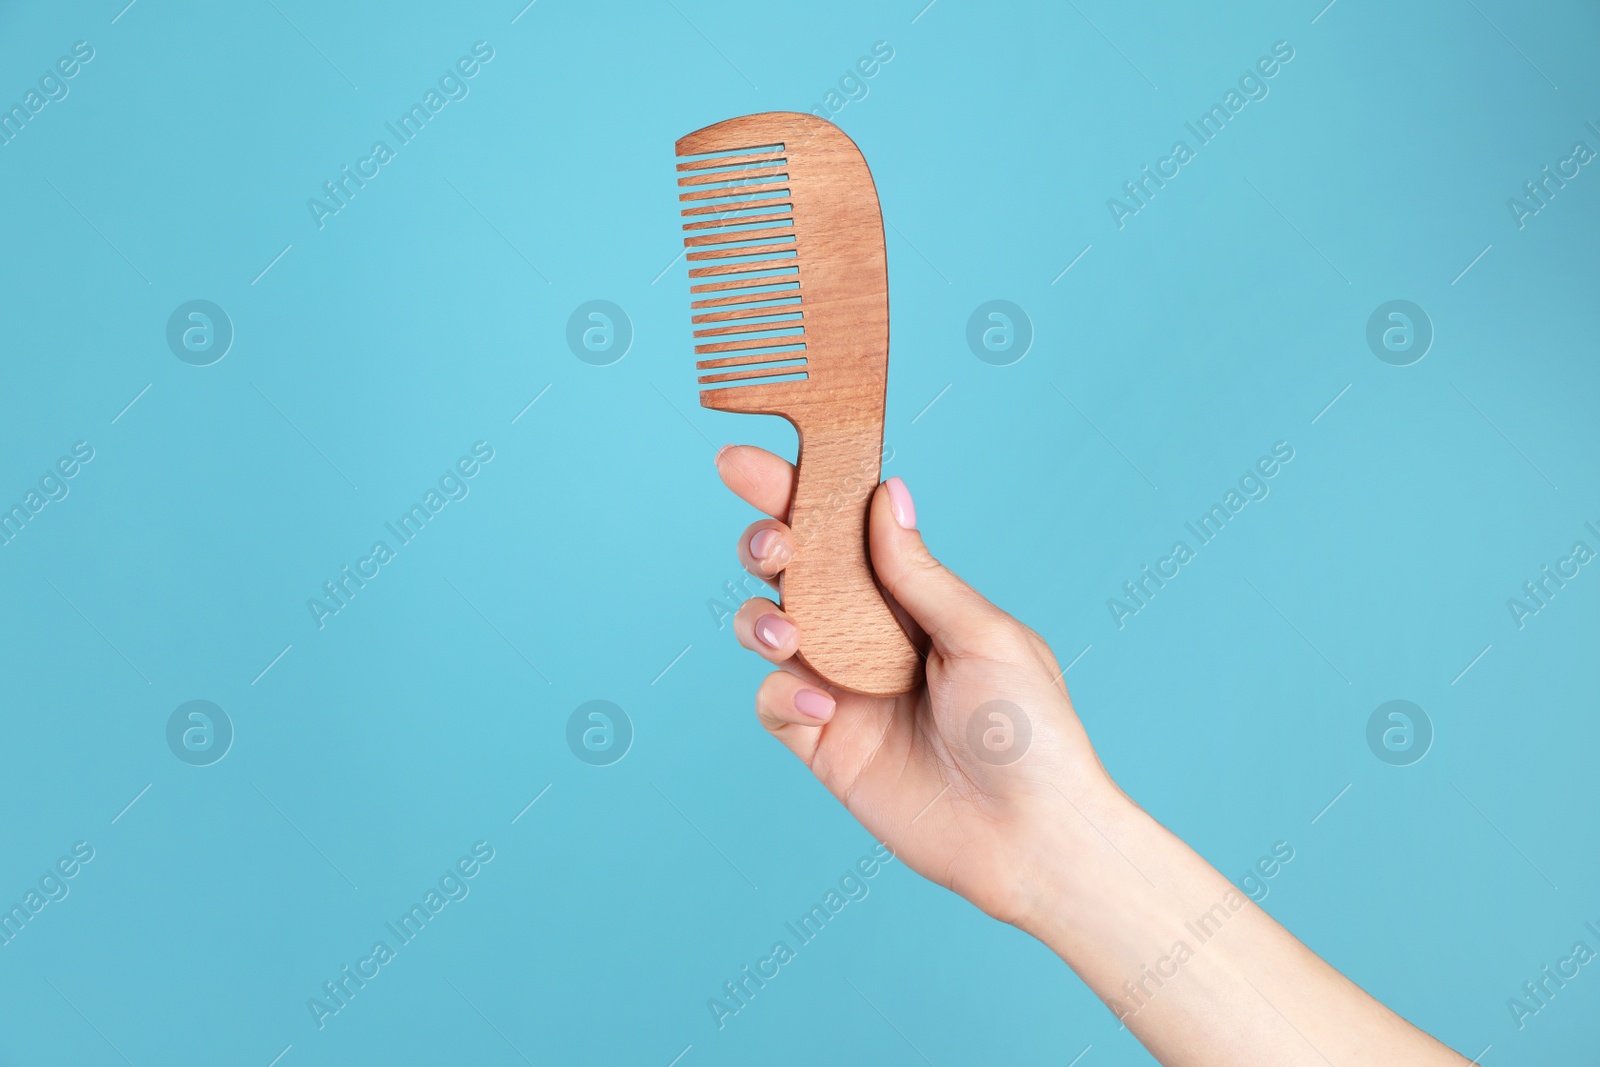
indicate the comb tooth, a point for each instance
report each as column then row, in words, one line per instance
column 739, row 299
column 751, row 327
column 741, row 268
column 749, row 360
column 740, row 190
column 756, row 398
column 790, row 281
column 738, row 227
column 753, row 373
column 698, row 240
column 729, row 161
column 719, row 224
column 738, row 174
column 741, row 250
column 751, row 313
column 792, row 274
column 795, row 342
column 727, row 209
column 759, row 349
column 739, row 285
column 791, row 317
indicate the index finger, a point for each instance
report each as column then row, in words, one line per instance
column 758, row 477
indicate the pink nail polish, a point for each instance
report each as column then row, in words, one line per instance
column 773, row 631
column 813, row 704
column 905, row 512
column 761, row 544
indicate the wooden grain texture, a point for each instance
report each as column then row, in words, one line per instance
column 796, row 196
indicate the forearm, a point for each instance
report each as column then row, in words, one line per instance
column 1196, row 970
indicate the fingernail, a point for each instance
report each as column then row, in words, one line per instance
column 718, row 459
column 905, row 512
column 774, row 631
column 762, row 543
column 810, row 702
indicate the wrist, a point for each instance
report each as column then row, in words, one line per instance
column 1069, row 852
column 1100, row 862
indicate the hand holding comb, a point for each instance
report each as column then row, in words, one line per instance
column 790, row 300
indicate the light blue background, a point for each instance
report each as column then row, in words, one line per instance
column 424, row 718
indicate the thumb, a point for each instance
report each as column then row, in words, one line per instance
column 955, row 616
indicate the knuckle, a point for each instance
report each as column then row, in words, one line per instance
column 769, row 696
column 994, row 636
column 922, row 561
column 753, row 608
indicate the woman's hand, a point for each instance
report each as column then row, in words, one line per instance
column 983, row 781
column 965, row 778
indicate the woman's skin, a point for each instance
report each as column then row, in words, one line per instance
column 1047, row 843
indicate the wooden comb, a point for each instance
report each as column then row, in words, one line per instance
column 790, row 300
